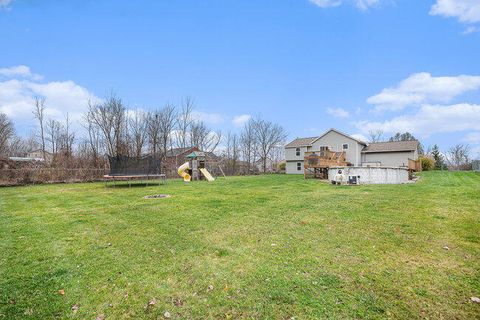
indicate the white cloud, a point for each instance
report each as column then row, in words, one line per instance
column 365, row 4
column 430, row 119
column 326, row 3
column 19, row 71
column 360, row 4
column 211, row 118
column 338, row 112
column 360, row 136
column 467, row 11
column 240, row 120
column 471, row 29
column 61, row 97
column 422, row 88
column 5, row 3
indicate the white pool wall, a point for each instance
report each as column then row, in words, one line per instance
column 372, row 175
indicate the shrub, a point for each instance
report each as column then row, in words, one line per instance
column 427, row 163
column 282, row 166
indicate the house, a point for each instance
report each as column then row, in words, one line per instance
column 38, row 155
column 356, row 152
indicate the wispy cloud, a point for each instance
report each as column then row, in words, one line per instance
column 338, row 112
column 211, row 118
column 19, row 71
column 466, row 11
column 5, row 3
column 473, row 137
column 360, row 4
column 423, row 88
column 240, row 120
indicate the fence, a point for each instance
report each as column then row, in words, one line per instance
column 23, row 176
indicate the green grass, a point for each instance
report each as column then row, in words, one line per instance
column 272, row 247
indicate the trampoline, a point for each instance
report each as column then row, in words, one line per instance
column 124, row 168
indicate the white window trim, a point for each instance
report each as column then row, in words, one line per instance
column 298, row 152
column 299, row 166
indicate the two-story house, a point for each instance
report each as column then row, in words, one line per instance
column 357, row 152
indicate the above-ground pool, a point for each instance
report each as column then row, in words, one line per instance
column 368, row 175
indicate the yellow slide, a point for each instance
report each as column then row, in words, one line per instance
column 182, row 172
column 207, row 174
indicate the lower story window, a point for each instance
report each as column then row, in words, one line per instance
column 299, row 166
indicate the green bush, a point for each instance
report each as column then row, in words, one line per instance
column 282, row 166
column 427, row 163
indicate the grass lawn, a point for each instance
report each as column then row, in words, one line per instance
column 264, row 247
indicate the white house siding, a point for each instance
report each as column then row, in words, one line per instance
column 291, row 154
column 335, row 141
column 291, row 167
column 390, row 159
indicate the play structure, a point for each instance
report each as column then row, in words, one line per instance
column 316, row 164
column 124, row 168
column 194, row 168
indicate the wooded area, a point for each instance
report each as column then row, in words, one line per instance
column 111, row 128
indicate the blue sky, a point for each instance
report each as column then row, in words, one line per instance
column 356, row 65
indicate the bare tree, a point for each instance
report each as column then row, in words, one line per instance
column 168, row 119
column 153, row 131
column 204, row 138
column 18, row 146
column 268, row 136
column 458, row 156
column 94, row 140
column 109, row 118
column 137, row 131
column 53, row 131
column 247, row 142
column 184, row 121
column 6, row 133
column 38, row 113
column 68, row 137
column 232, row 151
column 375, row 136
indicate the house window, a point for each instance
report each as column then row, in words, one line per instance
column 299, row 166
column 345, row 146
column 297, row 152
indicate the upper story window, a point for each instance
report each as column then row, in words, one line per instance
column 297, row 152
column 345, row 146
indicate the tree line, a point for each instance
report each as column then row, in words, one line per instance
column 111, row 128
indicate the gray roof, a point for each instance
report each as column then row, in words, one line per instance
column 391, row 146
column 301, row 142
column 177, row 151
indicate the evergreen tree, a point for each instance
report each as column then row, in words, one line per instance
column 438, row 157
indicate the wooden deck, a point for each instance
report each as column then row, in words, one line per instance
column 316, row 164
